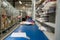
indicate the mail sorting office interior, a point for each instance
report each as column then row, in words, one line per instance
column 27, row 19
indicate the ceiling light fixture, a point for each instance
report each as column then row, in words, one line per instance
column 20, row 2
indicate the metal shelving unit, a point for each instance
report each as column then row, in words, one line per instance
column 47, row 12
column 8, row 17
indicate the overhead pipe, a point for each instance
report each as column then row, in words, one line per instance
column 10, row 9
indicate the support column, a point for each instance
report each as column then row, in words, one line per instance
column 33, row 9
column 57, row 27
column 0, row 14
column 0, row 19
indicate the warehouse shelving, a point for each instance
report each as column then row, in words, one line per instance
column 8, row 17
column 9, row 22
column 47, row 12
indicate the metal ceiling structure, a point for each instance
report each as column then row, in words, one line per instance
column 16, row 2
column 20, row 0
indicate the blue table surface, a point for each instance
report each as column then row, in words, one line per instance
column 32, row 32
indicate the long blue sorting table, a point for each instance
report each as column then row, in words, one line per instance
column 32, row 32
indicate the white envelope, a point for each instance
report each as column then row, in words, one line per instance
column 19, row 34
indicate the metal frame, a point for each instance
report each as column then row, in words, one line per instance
column 33, row 9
